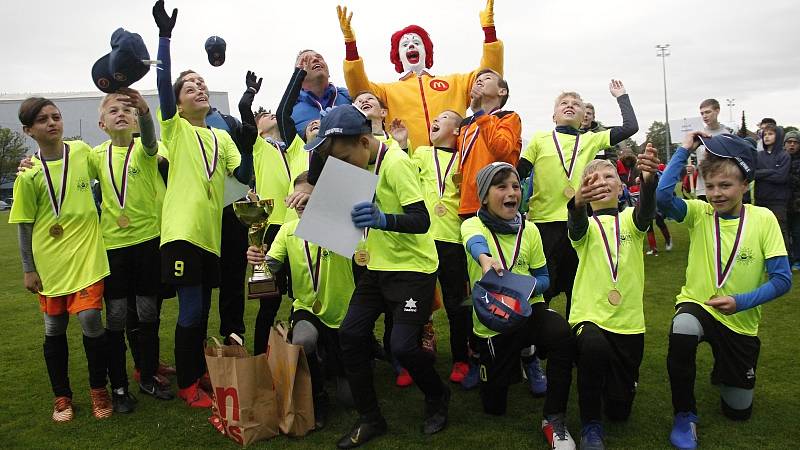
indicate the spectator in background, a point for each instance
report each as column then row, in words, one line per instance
column 589, row 124
column 709, row 111
column 791, row 143
column 317, row 93
column 772, row 176
column 764, row 122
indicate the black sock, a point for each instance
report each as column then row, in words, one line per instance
column 97, row 359
column 184, row 362
column 681, row 366
column 148, row 350
column 198, row 352
column 56, row 357
column 117, row 374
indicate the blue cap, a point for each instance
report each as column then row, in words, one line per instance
column 742, row 151
column 344, row 120
column 124, row 65
column 501, row 303
column 215, row 47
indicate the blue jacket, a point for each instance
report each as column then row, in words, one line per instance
column 308, row 106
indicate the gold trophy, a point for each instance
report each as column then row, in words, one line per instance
column 254, row 214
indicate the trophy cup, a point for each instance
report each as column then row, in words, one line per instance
column 254, row 214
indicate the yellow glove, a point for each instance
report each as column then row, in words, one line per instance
column 344, row 23
column 487, row 15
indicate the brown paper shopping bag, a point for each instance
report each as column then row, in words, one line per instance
column 245, row 402
column 292, row 383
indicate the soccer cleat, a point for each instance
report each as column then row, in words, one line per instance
column 102, row 407
column 668, row 246
column 592, row 436
column 537, row 381
column 459, row 372
column 122, row 402
column 165, row 370
column 162, row 380
column 684, row 431
column 363, row 431
column 62, row 409
column 195, row 397
column 556, row 433
column 403, row 378
column 473, row 377
column 155, row 390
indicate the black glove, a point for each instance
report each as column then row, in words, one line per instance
column 164, row 22
column 250, row 81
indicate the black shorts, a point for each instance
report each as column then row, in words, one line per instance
column 407, row 295
column 328, row 342
column 735, row 355
column 624, row 353
column 185, row 264
column 134, row 270
column 562, row 261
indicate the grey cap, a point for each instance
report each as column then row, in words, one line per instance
column 485, row 175
column 792, row 135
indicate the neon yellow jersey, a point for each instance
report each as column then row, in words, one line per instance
column 549, row 204
column 77, row 258
column 593, row 279
column 335, row 274
column 531, row 257
column 445, row 228
column 275, row 171
column 192, row 208
column 143, row 196
column 398, row 186
column 299, row 159
column 761, row 239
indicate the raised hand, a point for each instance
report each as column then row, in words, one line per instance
column 476, row 97
column 252, row 82
column 616, row 88
column 648, row 162
column 164, row 22
column 344, row 23
column 592, row 189
column 487, row 15
column 692, row 140
column 398, row 131
column 134, row 99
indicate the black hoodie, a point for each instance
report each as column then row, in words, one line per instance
column 772, row 174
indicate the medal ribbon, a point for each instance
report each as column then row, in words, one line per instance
column 517, row 245
column 313, row 271
column 560, row 152
column 56, row 203
column 467, row 148
column 122, row 193
column 378, row 161
column 723, row 273
column 613, row 265
column 209, row 169
column 441, row 180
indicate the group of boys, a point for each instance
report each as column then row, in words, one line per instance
column 470, row 203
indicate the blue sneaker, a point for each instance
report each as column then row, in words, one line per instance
column 796, row 266
column 684, row 431
column 472, row 379
column 592, row 436
column 537, row 381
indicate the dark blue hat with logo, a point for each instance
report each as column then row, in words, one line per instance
column 742, row 151
column 344, row 120
column 215, row 47
column 124, row 65
column 501, row 303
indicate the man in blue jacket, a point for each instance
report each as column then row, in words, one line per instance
column 317, row 94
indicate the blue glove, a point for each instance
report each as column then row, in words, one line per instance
column 367, row 215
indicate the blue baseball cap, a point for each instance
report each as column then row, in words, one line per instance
column 215, row 47
column 343, row 120
column 742, row 151
column 124, row 65
column 501, row 303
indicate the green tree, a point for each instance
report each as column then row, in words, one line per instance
column 12, row 149
column 743, row 131
column 656, row 135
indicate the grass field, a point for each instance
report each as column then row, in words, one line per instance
column 27, row 398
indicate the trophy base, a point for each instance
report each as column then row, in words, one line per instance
column 258, row 288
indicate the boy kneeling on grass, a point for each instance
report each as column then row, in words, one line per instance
column 735, row 244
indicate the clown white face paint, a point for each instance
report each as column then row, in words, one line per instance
column 412, row 53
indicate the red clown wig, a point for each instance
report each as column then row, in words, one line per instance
column 394, row 52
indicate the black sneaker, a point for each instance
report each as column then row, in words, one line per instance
column 123, row 403
column 155, row 390
column 362, row 432
column 436, row 413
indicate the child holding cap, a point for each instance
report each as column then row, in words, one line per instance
column 62, row 252
column 607, row 316
column 400, row 257
column 500, row 238
column 735, row 243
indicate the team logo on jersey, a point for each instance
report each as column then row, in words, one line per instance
column 410, row 306
column 325, row 254
column 521, row 262
column 439, row 85
column 745, row 256
column 133, row 171
column 625, row 238
column 82, row 184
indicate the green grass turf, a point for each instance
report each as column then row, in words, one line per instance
column 27, row 399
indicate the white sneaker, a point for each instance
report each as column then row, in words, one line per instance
column 555, row 431
column 669, row 246
column 652, row 252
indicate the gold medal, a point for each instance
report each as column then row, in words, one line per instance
column 440, row 209
column 456, row 178
column 614, row 297
column 56, row 231
column 569, row 192
column 317, row 307
column 123, row 221
column 362, row 257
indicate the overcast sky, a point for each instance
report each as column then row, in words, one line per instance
column 723, row 49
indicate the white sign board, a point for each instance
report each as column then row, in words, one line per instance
column 681, row 127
